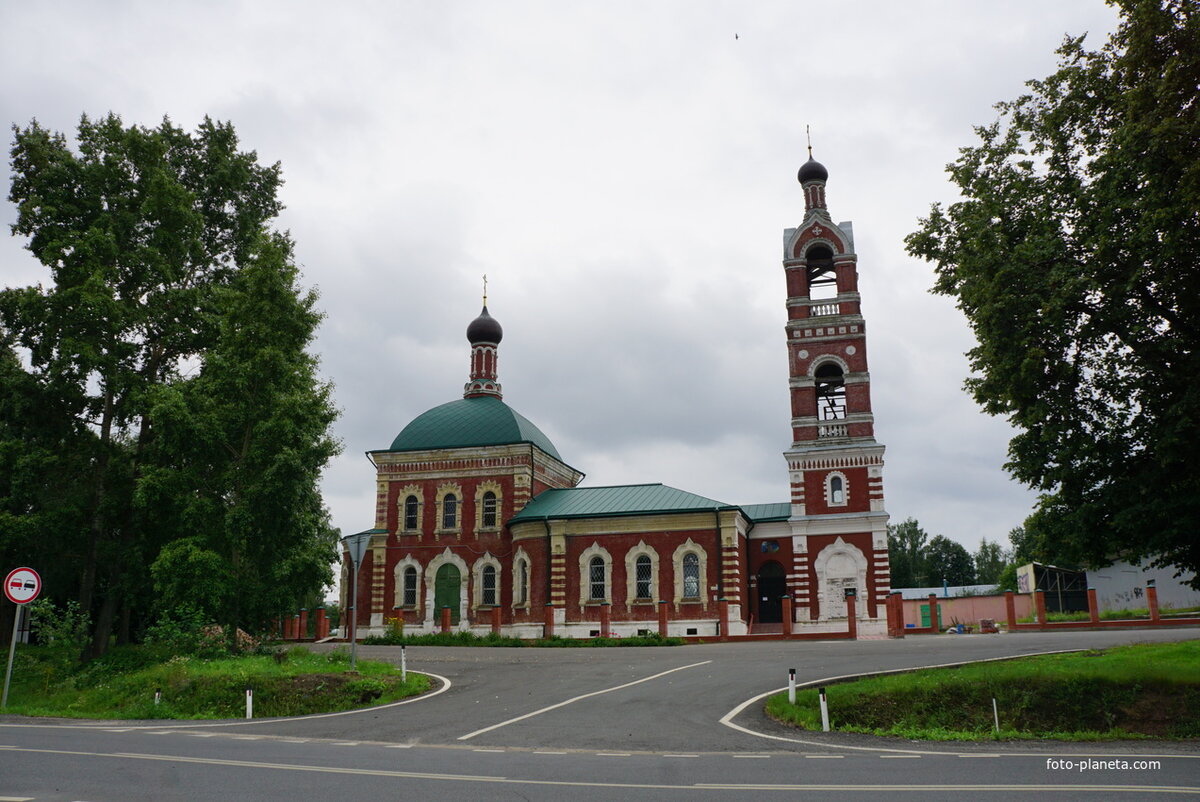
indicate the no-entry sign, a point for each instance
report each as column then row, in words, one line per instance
column 22, row 585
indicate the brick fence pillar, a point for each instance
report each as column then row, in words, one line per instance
column 935, row 618
column 723, row 606
column 605, row 620
column 1039, row 603
column 445, row 619
column 787, row 616
column 1010, row 609
column 662, row 618
column 322, row 624
column 548, row 626
column 496, row 620
column 1093, row 607
column 303, row 634
column 851, row 616
column 1152, row 601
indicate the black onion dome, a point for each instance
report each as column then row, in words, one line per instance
column 484, row 329
column 812, row 170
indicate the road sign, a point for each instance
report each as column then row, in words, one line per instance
column 22, row 585
column 357, row 546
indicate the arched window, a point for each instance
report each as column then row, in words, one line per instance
column 837, row 492
column 691, row 576
column 410, row 586
column 450, row 511
column 644, row 576
column 596, row 580
column 522, row 589
column 831, row 391
column 489, row 508
column 411, row 508
column 489, row 586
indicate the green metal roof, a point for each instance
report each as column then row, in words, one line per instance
column 600, row 502
column 759, row 513
column 482, row 421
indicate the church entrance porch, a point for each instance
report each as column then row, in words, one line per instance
column 771, row 585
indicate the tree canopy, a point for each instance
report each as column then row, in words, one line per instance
column 1073, row 253
column 162, row 424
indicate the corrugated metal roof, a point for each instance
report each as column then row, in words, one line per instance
column 758, row 513
column 469, row 422
column 599, row 502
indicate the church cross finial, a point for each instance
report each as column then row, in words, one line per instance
column 485, row 289
column 808, row 133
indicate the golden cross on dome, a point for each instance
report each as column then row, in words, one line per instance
column 485, row 289
column 808, row 134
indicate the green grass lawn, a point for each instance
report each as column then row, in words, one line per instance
column 1128, row 692
column 122, row 684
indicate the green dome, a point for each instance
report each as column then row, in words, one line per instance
column 481, row 421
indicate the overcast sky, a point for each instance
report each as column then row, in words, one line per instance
column 623, row 173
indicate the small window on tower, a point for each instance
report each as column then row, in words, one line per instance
column 837, row 493
column 831, row 391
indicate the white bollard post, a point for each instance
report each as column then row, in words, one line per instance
column 791, row 686
column 249, row 702
column 158, row 696
column 824, row 711
column 403, row 665
column 996, row 714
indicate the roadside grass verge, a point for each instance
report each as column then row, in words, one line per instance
column 1124, row 614
column 490, row 639
column 1145, row 691
column 122, row 684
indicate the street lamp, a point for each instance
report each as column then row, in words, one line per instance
column 357, row 546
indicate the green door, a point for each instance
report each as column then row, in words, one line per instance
column 925, row 615
column 445, row 592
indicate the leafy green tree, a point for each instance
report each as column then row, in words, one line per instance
column 147, row 235
column 1073, row 255
column 906, row 554
column 948, row 561
column 990, row 560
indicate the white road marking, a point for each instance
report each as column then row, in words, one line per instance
column 681, row 756
column 487, row 750
column 613, row 754
column 901, row 757
column 547, row 752
column 1027, row 790
column 577, row 699
column 728, row 718
column 760, row 757
column 193, row 725
column 824, row 757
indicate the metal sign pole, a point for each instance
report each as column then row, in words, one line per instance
column 356, row 545
column 354, row 615
column 12, row 649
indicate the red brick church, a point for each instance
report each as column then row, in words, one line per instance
column 477, row 512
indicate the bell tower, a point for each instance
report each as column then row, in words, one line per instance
column 835, row 466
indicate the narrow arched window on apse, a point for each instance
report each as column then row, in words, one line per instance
column 489, row 508
column 410, row 513
column 410, row 586
column 596, row 580
column 691, row 576
column 489, row 586
column 643, row 569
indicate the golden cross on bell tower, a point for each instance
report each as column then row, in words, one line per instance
column 485, row 289
column 808, row 134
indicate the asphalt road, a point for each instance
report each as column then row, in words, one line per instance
column 591, row 723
